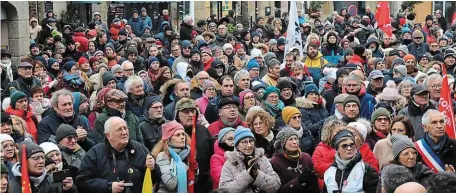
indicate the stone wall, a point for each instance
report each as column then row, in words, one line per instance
column 18, row 31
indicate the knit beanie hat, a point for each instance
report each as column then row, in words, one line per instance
column 241, row 133
column 380, row 112
column 401, row 69
column 255, row 52
column 6, row 118
column 408, row 57
column 5, row 137
column 403, row 48
column 15, row 96
column 269, row 90
column 257, row 85
column 401, row 143
column 132, row 50
column 223, row 132
column 83, row 60
column 108, row 76
column 284, row 133
column 352, row 99
column 311, row 88
column 116, row 68
column 208, row 84
column 285, row 83
column 49, row 147
column 102, row 65
column 243, row 93
column 390, row 92
column 64, row 130
column 68, row 65
column 226, row 46
column 417, row 33
column 272, row 42
column 30, row 149
column 253, row 63
column 348, row 51
column 361, row 128
column 3, row 169
column 342, row 134
column 110, row 45
column 169, row 128
column 288, row 112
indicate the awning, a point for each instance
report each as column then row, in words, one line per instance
column 85, row 2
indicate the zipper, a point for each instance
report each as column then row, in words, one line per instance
column 341, row 179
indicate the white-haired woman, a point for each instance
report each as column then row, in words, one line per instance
column 134, row 87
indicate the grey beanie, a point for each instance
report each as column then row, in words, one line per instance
column 272, row 41
column 63, row 131
column 342, row 134
column 402, row 70
column 30, row 149
column 284, row 133
column 116, row 68
column 400, row 142
column 403, row 48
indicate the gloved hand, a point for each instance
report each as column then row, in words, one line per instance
column 305, row 176
column 253, row 170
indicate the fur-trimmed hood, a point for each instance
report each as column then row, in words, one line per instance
column 165, row 88
column 302, row 102
column 194, row 83
column 208, row 33
column 400, row 104
column 233, row 156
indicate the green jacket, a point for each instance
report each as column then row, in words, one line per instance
column 132, row 124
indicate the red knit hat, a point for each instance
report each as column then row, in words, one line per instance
column 158, row 43
column 169, row 128
column 239, row 45
column 82, row 60
column 92, row 60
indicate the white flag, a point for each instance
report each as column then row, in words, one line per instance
column 294, row 38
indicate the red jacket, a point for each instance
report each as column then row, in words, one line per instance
column 216, row 165
column 29, row 118
column 80, row 37
column 215, row 127
column 114, row 29
column 208, row 64
column 322, row 158
column 368, row 156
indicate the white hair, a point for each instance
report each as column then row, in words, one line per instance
column 187, row 18
column 56, row 94
column 124, row 63
column 242, row 73
column 425, row 119
column 432, row 77
column 131, row 81
column 109, row 123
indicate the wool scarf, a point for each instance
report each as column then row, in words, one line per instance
column 181, row 168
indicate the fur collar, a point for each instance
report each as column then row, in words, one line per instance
column 302, row 102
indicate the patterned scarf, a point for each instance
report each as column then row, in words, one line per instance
column 274, row 110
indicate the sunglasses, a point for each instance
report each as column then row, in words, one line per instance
column 346, row 146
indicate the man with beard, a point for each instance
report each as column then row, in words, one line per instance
column 71, row 51
column 418, row 47
column 63, row 112
column 287, row 90
column 197, row 91
column 150, row 127
column 34, row 50
column 449, row 60
column 185, row 111
column 229, row 116
column 374, row 46
column 123, row 37
column 273, row 75
column 181, row 90
column 136, row 24
column 376, row 83
column 25, row 81
column 314, row 62
column 114, row 106
column 186, row 46
column 351, row 108
column 433, row 83
column 354, row 86
column 226, row 90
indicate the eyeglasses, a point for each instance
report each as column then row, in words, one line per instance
column 346, row 146
column 186, row 48
column 436, row 86
column 247, row 141
column 230, row 139
column 417, row 38
column 229, row 107
column 295, row 118
column 36, row 158
column 249, row 97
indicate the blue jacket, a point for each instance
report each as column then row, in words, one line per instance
column 367, row 102
column 147, row 22
column 417, row 50
column 136, row 26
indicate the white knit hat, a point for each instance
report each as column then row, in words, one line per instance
column 390, row 92
column 255, row 52
column 48, row 147
column 226, row 46
column 5, row 137
column 360, row 127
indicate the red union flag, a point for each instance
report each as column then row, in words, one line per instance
column 382, row 16
column 25, row 176
column 446, row 106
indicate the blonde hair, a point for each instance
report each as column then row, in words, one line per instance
column 252, row 114
column 23, row 126
column 327, row 130
column 162, row 146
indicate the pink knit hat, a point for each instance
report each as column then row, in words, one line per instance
column 243, row 93
column 390, row 92
column 169, row 128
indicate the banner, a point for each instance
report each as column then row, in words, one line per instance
column 25, row 180
column 446, row 105
column 148, row 187
column 382, row 16
column 191, row 172
column 294, row 38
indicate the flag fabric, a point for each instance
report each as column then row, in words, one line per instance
column 446, row 105
column 453, row 19
column 294, row 38
column 24, row 171
column 382, row 16
column 148, row 187
column 191, row 173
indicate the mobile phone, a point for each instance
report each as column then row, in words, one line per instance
column 59, row 176
column 128, row 184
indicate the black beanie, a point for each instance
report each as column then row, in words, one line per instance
column 342, row 71
column 30, row 149
column 438, row 57
column 284, row 84
column 63, row 131
column 6, row 118
column 341, row 135
column 359, row 50
column 108, row 76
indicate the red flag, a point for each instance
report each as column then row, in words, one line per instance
column 382, row 16
column 25, row 176
column 446, row 105
column 191, row 172
column 454, row 18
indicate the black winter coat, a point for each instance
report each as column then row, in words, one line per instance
column 151, row 132
column 46, row 186
column 313, row 115
column 185, row 32
column 22, row 86
column 98, row 169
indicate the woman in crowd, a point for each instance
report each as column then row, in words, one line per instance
column 383, row 148
column 10, row 153
column 172, row 153
column 47, row 81
column 405, row 88
column 247, row 100
column 292, row 117
column 262, row 124
column 164, row 75
column 313, row 109
column 224, row 143
column 271, row 102
column 324, row 154
column 246, row 169
column 39, row 103
column 72, row 79
column 20, row 107
column 359, row 129
column 52, row 151
column 19, row 132
column 209, row 92
column 295, row 168
column 349, row 173
column 391, row 95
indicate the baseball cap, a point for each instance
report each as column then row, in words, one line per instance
column 418, row 89
column 376, row 74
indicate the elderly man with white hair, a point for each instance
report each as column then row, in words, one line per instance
column 118, row 165
column 436, row 148
column 128, row 70
column 186, row 28
column 434, row 84
column 197, row 89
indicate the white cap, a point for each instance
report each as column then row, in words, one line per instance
column 48, row 147
column 5, row 137
column 360, row 127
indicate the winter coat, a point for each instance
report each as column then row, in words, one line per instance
column 29, row 118
column 169, row 179
column 82, row 40
column 418, row 50
column 263, row 143
column 370, row 176
column 236, row 178
column 97, row 167
column 151, row 131
column 421, row 173
column 212, row 114
column 136, row 106
column 368, row 156
column 20, row 85
column 114, row 30
column 136, row 26
column 373, row 137
column 447, row 153
column 215, row 127
column 202, row 103
column 132, row 123
column 147, row 22
column 48, row 126
column 367, row 103
column 332, row 53
column 383, row 152
column 289, row 177
column 322, row 158
column 313, row 114
column 414, row 114
column 217, row 161
column 270, row 81
column 185, row 32
column 73, row 158
column 47, row 185
column 315, row 66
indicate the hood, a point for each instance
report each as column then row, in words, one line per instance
column 76, row 102
column 165, row 89
column 302, row 102
column 67, row 26
column 235, row 156
column 35, row 20
column 181, row 69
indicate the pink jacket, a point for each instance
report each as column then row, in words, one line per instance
column 202, row 103
column 217, row 161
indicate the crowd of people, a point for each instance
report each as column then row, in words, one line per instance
column 357, row 112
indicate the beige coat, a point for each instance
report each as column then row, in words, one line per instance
column 383, row 152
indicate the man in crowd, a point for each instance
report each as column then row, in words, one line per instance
column 181, row 90
column 25, row 81
column 226, row 90
column 376, row 85
column 150, row 127
column 229, row 116
column 353, row 85
column 197, row 92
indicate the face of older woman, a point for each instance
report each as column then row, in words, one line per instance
column 407, row 157
column 260, row 127
column 229, row 138
column 346, row 149
column 246, row 146
column 249, row 100
column 398, row 128
column 55, row 156
column 292, row 143
column 295, row 121
column 273, row 98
